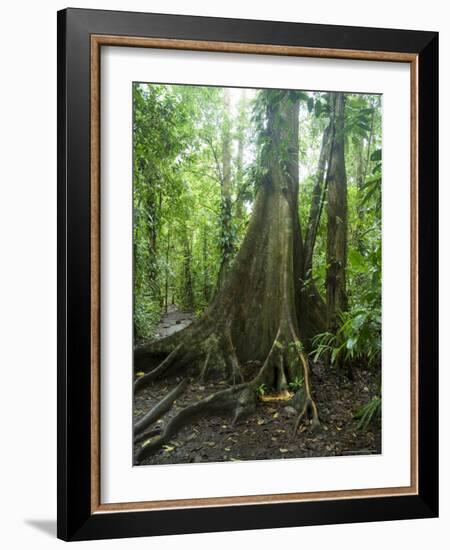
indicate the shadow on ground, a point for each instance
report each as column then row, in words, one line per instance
column 47, row 526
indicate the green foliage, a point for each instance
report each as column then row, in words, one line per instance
column 184, row 221
column 182, row 224
column 261, row 390
column 146, row 317
column 360, row 332
column 368, row 413
column 296, row 346
column 358, row 339
column 296, row 384
column 324, row 346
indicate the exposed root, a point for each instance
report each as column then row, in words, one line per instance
column 231, row 359
column 157, row 371
column 160, row 409
column 281, row 375
column 204, row 370
column 241, row 399
column 263, row 375
column 310, row 409
column 284, row 364
column 147, row 434
column 246, row 404
column 309, row 412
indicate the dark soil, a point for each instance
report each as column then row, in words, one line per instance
column 268, row 434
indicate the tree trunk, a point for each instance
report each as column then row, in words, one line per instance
column 166, row 285
column 317, row 200
column 206, row 282
column 240, row 184
column 360, row 178
column 188, row 291
column 337, row 220
column 226, row 234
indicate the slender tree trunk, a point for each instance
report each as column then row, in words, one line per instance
column 188, row 291
column 153, row 210
column 206, row 282
column 166, row 283
column 337, row 220
column 369, row 145
column 362, row 167
column 226, row 230
column 317, row 201
column 239, row 186
column 360, row 172
column 360, row 177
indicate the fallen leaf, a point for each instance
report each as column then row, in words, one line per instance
column 282, row 396
column 168, row 448
column 284, row 450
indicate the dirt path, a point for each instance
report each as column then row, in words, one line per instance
column 173, row 321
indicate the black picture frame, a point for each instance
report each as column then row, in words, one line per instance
column 76, row 521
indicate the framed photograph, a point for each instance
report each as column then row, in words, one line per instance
column 247, row 257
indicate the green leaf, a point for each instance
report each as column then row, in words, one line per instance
column 376, row 155
column 351, row 342
column 357, row 260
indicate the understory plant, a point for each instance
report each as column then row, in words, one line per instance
column 358, row 339
column 368, row 413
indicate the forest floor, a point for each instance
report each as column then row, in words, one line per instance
column 268, row 434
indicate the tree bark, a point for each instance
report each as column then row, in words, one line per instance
column 317, row 200
column 188, row 291
column 226, row 235
column 166, row 282
column 206, row 281
column 239, row 185
column 337, row 220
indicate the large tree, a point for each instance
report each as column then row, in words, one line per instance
column 255, row 315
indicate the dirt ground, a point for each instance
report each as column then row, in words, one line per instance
column 268, row 434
